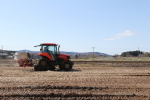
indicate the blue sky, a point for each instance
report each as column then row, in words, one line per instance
column 111, row 26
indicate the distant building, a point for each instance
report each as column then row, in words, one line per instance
column 3, row 55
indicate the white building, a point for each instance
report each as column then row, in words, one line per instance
column 3, row 55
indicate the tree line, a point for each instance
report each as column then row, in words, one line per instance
column 132, row 53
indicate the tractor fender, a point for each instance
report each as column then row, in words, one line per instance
column 45, row 55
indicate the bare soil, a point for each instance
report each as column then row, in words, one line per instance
column 85, row 81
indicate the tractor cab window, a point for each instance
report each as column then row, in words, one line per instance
column 49, row 49
column 52, row 49
column 44, row 49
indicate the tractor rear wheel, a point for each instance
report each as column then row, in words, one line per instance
column 51, row 66
column 37, row 68
column 43, row 65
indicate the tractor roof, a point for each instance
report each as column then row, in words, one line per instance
column 45, row 44
column 48, row 44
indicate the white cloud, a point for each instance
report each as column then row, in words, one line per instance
column 125, row 34
column 108, row 39
column 121, row 35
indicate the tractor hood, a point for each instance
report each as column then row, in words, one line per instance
column 63, row 56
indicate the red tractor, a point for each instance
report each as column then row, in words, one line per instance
column 50, row 57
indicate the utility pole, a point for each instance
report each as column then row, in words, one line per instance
column 93, row 52
column 138, row 52
column 2, row 49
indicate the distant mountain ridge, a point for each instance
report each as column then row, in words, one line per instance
column 28, row 51
column 70, row 53
column 84, row 53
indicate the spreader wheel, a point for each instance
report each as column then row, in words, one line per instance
column 20, row 64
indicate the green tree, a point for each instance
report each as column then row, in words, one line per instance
column 131, row 53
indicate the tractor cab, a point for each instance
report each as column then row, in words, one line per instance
column 51, row 56
column 50, row 49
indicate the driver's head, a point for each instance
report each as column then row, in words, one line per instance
column 45, row 48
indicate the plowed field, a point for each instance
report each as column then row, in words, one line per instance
column 85, row 81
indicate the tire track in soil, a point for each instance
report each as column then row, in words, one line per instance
column 53, row 87
column 73, row 95
column 64, row 94
column 77, row 92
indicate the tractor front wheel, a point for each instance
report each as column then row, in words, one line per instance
column 67, row 65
